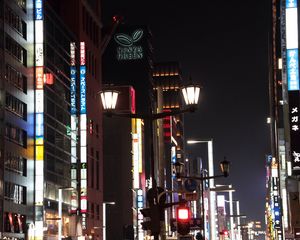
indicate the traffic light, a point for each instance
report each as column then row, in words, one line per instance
column 183, row 220
column 152, row 222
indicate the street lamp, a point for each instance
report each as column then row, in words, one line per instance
column 109, row 98
column 104, row 217
column 224, row 165
column 60, row 190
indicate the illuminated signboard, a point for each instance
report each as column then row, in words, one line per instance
column 82, row 90
column 294, row 119
column 276, row 203
column 83, row 137
column 73, row 133
column 73, row 89
column 135, row 162
column 140, row 205
column 292, row 45
column 128, row 50
column 292, row 69
column 39, row 120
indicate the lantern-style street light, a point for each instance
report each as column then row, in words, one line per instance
column 224, row 165
column 191, row 94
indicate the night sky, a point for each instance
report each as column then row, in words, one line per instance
column 222, row 45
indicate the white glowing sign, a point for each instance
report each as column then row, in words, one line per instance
column 83, row 136
column 292, row 64
column 39, row 120
column 74, row 201
column 135, row 162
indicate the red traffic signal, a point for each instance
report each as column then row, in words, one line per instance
column 183, row 220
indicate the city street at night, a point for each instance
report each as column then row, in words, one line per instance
column 149, row 120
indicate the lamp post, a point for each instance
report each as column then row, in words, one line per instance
column 190, row 94
column 230, row 190
column 104, row 217
column 212, row 195
column 60, row 200
column 224, row 165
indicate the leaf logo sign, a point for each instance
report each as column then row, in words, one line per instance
column 127, row 41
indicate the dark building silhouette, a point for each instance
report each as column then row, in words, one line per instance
column 127, row 61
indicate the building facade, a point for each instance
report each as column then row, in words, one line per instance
column 282, row 210
column 127, row 64
column 52, row 129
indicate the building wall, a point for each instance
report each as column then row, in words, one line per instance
column 83, row 18
column 17, row 107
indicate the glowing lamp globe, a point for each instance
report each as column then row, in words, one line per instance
column 191, row 94
column 109, row 99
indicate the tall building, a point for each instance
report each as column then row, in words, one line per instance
column 17, row 117
column 283, row 164
column 127, row 62
column 83, row 19
column 52, row 134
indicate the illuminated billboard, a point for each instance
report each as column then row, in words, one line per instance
column 128, row 48
column 74, row 198
column 292, row 56
column 83, row 137
column 39, row 119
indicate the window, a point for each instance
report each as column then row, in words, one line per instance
column 16, row 78
column 83, row 18
column 92, row 173
column 15, row 193
column 16, row 106
column 15, row 134
column 97, row 175
column 14, row 222
column 97, row 130
column 16, row 50
column 13, row 20
column 16, row 163
column 98, row 211
column 92, row 210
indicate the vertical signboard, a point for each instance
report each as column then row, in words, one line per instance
column 39, row 118
column 83, row 137
column 292, row 68
column 74, row 198
column 294, row 119
column 276, row 203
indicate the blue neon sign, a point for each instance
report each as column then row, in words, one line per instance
column 82, row 90
column 291, row 3
column 38, row 9
column 73, row 89
column 39, row 127
column 292, row 69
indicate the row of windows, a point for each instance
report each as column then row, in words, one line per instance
column 16, row 50
column 16, row 78
column 15, row 21
column 16, row 134
column 15, row 163
column 15, row 193
column 14, row 223
column 90, row 27
column 16, row 106
column 91, row 210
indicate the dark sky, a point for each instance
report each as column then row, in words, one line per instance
column 223, row 46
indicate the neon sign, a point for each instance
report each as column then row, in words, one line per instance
column 39, row 120
column 127, row 49
column 83, row 137
column 74, row 201
column 291, row 22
